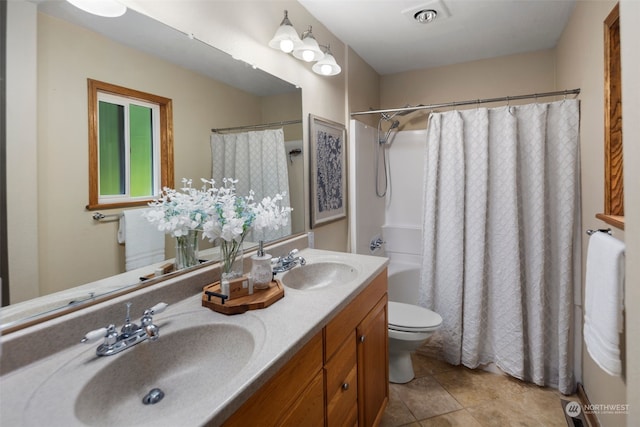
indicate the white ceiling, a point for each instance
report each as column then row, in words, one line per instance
column 392, row 41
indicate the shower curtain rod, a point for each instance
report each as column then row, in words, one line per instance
column 261, row 126
column 470, row 102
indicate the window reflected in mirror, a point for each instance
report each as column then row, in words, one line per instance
column 129, row 141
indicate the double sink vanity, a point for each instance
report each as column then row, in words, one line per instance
column 316, row 357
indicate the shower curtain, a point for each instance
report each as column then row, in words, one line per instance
column 501, row 250
column 258, row 161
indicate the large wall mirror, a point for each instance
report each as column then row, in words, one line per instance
column 57, row 251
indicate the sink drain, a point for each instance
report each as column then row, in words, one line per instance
column 153, row 397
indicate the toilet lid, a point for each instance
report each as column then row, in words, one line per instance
column 412, row 318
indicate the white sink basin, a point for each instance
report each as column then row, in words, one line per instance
column 319, row 275
column 189, row 366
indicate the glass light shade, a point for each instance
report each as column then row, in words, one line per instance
column 106, row 8
column 286, row 39
column 327, row 66
column 309, row 51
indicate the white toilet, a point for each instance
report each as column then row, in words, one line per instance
column 409, row 327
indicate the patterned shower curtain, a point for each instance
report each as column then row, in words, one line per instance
column 258, row 161
column 501, row 237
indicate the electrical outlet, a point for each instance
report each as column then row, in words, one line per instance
column 311, row 237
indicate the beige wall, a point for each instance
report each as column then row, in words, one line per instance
column 580, row 63
column 489, row 78
column 22, row 151
column 363, row 88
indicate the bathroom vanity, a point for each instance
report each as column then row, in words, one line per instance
column 316, row 357
column 341, row 374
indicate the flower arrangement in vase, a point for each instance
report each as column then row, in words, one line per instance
column 219, row 213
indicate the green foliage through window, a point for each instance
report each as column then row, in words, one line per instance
column 126, row 147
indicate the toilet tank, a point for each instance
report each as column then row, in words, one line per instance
column 404, row 279
column 403, row 246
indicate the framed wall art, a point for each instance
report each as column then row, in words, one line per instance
column 328, row 171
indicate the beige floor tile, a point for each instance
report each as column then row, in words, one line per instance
column 512, row 413
column 424, row 365
column 545, row 403
column 397, row 413
column 426, row 398
column 445, row 395
column 461, row 418
column 470, row 387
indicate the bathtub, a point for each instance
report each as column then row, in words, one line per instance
column 404, row 279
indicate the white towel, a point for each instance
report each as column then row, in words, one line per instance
column 144, row 243
column 604, row 301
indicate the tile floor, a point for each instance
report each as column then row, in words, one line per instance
column 446, row 395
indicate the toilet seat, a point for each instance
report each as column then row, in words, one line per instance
column 412, row 318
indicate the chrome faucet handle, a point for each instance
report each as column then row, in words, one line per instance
column 146, row 323
column 108, row 333
column 158, row 308
column 292, row 254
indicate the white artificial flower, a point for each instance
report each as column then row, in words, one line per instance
column 216, row 211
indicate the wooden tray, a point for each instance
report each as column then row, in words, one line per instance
column 261, row 298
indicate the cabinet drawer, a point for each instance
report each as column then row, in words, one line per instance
column 348, row 319
column 341, row 375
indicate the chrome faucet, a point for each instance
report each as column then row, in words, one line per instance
column 130, row 333
column 376, row 243
column 286, row 263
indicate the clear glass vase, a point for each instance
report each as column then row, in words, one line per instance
column 231, row 262
column 187, row 250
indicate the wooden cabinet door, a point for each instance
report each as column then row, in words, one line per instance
column 342, row 385
column 373, row 365
column 308, row 410
column 281, row 393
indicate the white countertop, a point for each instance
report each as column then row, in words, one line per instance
column 45, row 392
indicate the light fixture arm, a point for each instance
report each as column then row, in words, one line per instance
column 285, row 20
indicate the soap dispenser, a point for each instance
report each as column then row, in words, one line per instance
column 261, row 272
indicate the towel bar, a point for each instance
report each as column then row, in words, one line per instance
column 99, row 216
column 602, row 230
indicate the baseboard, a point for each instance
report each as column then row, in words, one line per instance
column 591, row 418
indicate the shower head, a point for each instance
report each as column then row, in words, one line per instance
column 394, row 125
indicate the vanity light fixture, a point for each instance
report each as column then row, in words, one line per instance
column 327, row 66
column 106, row 8
column 305, row 48
column 310, row 49
column 286, row 38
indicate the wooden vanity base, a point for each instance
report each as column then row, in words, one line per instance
column 261, row 298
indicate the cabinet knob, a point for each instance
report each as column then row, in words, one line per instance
column 362, row 338
column 345, row 386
